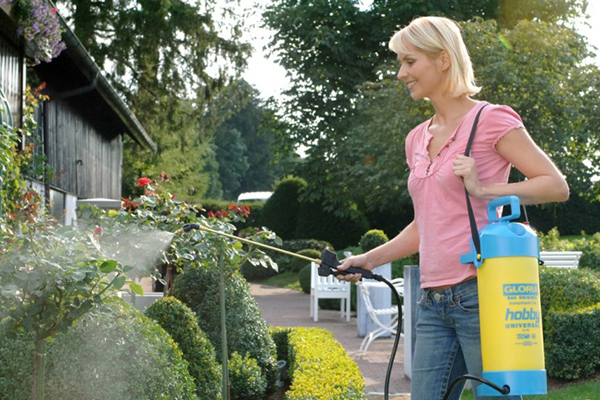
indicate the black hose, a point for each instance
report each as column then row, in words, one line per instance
column 388, row 374
column 502, row 390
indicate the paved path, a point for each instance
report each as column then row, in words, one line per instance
column 285, row 307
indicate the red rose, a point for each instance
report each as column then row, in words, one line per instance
column 98, row 231
column 143, row 181
column 210, row 214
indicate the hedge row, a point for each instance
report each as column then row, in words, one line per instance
column 571, row 322
column 318, row 366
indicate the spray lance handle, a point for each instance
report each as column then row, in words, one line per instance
column 329, row 262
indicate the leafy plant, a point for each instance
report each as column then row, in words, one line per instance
column 180, row 322
column 373, row 238
column 247, row 381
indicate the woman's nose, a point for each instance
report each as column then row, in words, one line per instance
column 401, row 73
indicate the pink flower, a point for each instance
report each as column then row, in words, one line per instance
column 98, row 231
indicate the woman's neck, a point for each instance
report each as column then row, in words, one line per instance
column 449, row 109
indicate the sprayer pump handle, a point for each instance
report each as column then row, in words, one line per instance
column 329, row 262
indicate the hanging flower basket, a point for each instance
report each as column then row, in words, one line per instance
column 39, row 25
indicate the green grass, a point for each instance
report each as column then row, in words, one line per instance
column 287, row 280
column 588, row 390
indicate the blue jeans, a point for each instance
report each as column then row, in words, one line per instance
column 448, row 342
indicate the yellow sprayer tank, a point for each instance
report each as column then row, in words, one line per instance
column 512, row 344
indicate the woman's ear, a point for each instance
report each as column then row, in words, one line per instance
column 444, row 60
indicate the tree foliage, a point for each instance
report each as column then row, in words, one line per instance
column 169, row 59
column 349, row 110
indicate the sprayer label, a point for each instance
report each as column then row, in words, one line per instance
column 520, row 290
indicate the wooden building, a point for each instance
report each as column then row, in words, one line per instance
column 82, row 125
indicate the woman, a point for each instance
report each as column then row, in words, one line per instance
column 435, row 66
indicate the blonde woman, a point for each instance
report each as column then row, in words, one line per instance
column 435, row 65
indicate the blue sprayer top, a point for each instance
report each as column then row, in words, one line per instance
column 502, row 238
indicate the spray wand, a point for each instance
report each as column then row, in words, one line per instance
column 327, row 266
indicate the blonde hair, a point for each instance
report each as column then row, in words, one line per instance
column 432, row 35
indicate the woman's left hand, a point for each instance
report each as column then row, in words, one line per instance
column 464, row 167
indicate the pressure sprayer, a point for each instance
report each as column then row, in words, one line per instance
column 327, row 266
column 506, row 255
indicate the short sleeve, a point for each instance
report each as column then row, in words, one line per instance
column 497, row 122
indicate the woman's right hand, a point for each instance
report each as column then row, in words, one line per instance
column 360, row 261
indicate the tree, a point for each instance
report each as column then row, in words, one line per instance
column 159, row 54
column 331, row 49
column 536, row 67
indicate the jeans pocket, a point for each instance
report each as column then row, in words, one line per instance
column 423, row 299
column 468, row 302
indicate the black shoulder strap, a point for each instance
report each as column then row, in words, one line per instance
column 474, row 231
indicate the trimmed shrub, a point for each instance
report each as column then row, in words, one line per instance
column 315, row 222
column 320, row 368
column 284, row 262
column 572, row 343
column 304, row 277
column 247, row 331
column 280, row 213
column 247, row 381
column 372, row 239
column 297, row 263
column 568, row 289
column 280, row 338
column 114, row 354
column 257, row 272
column 180, row 322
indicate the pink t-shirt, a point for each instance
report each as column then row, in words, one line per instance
column 439, row 198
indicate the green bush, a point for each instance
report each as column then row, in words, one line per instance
column 373, row 238
column 296, row 245
column 398, row 265
column 304, row 277
column 568, row 289
column 247, row 381
column 320, row 368
column 297, row 263
column 315, row 222
column 590, row 248
column 280, row 213
column 180, row 322
column 16, row 358
column 247, row 331
column 280, row 338
column 114, row 354
column 572, row 343
column 257, row 272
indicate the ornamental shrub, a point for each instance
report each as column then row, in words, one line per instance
column 315, row 222
column 280, row 213
column 114, row 354
column 572, row 343
column 296, row 245
column 247, row 380
column 180, row 322
column 247, row 331
column 297, row 263
column 565, row 289
column 304, row 277
column 320, row 368
column 373, row 238
column 254, row 272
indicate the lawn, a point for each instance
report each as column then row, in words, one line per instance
column 288, row 280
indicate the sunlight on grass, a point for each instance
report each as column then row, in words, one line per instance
column 576, row 391
column 287, row 280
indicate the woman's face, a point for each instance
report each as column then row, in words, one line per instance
column 423, row 75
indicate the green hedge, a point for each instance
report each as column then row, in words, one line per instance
column 284, row 262
column 180, row 322
column 304, row 277
column 280, row 213
column 114, row 354
column 247, row 331
column 247, row 380
column 297, row 263
column 319, row 367
column 589, row 245
column 571, row 322
column 372, row 239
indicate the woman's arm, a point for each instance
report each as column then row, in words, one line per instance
column 544, row 184
column 404, row 244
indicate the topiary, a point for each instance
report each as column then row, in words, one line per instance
column 180, row 322
column 315, row 222
column 247, row 381
column 304, row 278
column 297, row 263
column 372, row 239
column 114, row 353
column 198, row 287
column 280, row 213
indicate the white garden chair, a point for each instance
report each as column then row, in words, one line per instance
column 328, row 288
column 375, row 313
